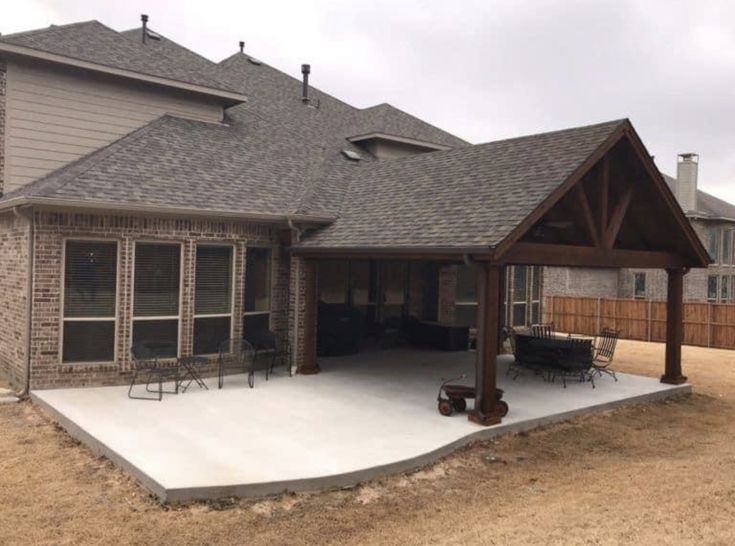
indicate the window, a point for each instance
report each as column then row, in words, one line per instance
column 712, row 288
column 213, row 298
column 732, row 289
column 156, row 298
column 257, row 308
column 466, row 304
column 724, row 286
column 535, row 294
column 394, row 287
column 519, row 296
column 727, row 246
column 90, row 297
column 714, row 244
column 639, row 286
column 333, row 276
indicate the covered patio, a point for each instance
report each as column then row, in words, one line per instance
column 364, row 416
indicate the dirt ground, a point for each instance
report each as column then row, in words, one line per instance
column 654, row 474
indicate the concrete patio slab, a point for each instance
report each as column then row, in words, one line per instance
column 364, row 416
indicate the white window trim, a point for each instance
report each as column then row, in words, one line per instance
column 178, row 317
column 114, row 319
column 231, row 314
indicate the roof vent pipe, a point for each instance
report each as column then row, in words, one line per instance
column 144, row 18
column 305, row 70
column 242, row 47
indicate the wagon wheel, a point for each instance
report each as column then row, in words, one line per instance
column 445, row 408
column 459, row 404
column 501, row 408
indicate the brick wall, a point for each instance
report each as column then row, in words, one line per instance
column 579, row 281
column 50, row 233
column 2, row 124
column 13, row 287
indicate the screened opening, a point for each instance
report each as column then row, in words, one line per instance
column 156, row 298
column 90, row 295
column 257, row 305
column 213, row 297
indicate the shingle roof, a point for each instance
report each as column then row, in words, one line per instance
column 94, row 42
column 707, row 204
column 466, row 197
column 251, row 167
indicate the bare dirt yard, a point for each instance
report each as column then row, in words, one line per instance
column 653, row 474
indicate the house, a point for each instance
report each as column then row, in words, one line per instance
column 151, row 196
column 714, row 221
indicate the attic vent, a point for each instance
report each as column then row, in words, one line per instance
column 255, row 61
column 153, row 36
column 352, row 156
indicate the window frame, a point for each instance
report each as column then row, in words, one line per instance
column 231, row 314
column 271, row 274
column 717, row 289
column 133, row 318
column 62, row 300
column 637, row 274
column 465, row 303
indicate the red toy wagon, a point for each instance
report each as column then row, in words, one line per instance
column 454, row 397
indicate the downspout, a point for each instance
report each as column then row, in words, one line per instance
column 19, row 213
column 296, row 231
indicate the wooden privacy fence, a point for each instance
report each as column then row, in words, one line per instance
column 705, row 324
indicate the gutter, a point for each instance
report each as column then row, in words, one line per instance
column 29, row 295
column 107, row 206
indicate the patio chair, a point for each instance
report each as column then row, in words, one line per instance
column 147, row 365
column 236, row 354
column 605, row 344
column 275, row 349
column 576, row 362
column 543, row 330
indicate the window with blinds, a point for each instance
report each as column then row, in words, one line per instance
column 90, row 297
column 257, row 304
column 156, row 298
column 213, row 297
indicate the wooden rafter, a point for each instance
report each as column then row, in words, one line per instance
column 604, row 192
column 616, row 220
column 586, row 256
column 589, row 220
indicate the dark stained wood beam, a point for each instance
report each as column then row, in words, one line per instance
column 674, row 327
column 616, row 220
column 604, row 192
column 587, row 256
column 589, row 221
column 489, row 283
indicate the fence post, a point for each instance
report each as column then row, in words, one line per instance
column 650, row 318
column 598, row 322
column 709, row 325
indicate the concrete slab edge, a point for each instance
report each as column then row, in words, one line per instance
column 349, row 479
column 100, row 448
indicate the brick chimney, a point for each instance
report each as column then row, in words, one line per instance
column 686, row 181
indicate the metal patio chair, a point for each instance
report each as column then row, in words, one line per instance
column 605, row 344
column 270, row 349
column 543, row 330
column 236, row 354
column 147, row 365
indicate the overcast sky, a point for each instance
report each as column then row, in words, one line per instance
column 481, row 69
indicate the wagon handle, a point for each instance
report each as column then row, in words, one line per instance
column 445, row 381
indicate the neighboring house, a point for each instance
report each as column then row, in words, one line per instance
column 151, row 196
column 714, row 222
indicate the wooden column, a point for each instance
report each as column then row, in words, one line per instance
column 311, row 306
column 674, row 327
column 489, row 286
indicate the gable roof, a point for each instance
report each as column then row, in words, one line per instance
column 468, row 197
column 707, row 205
column 95, row 43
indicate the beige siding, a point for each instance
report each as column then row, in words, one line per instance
column 55, row 116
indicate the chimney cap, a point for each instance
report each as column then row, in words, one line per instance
column 689, row 156
column 305, row 68
column 144, row 17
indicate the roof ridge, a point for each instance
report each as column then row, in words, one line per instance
column 49, row 28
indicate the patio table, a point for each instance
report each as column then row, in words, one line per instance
column 556, row 354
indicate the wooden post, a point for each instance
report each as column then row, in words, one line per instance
column 674, row 327
column 311, row 304
column 489, row 285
